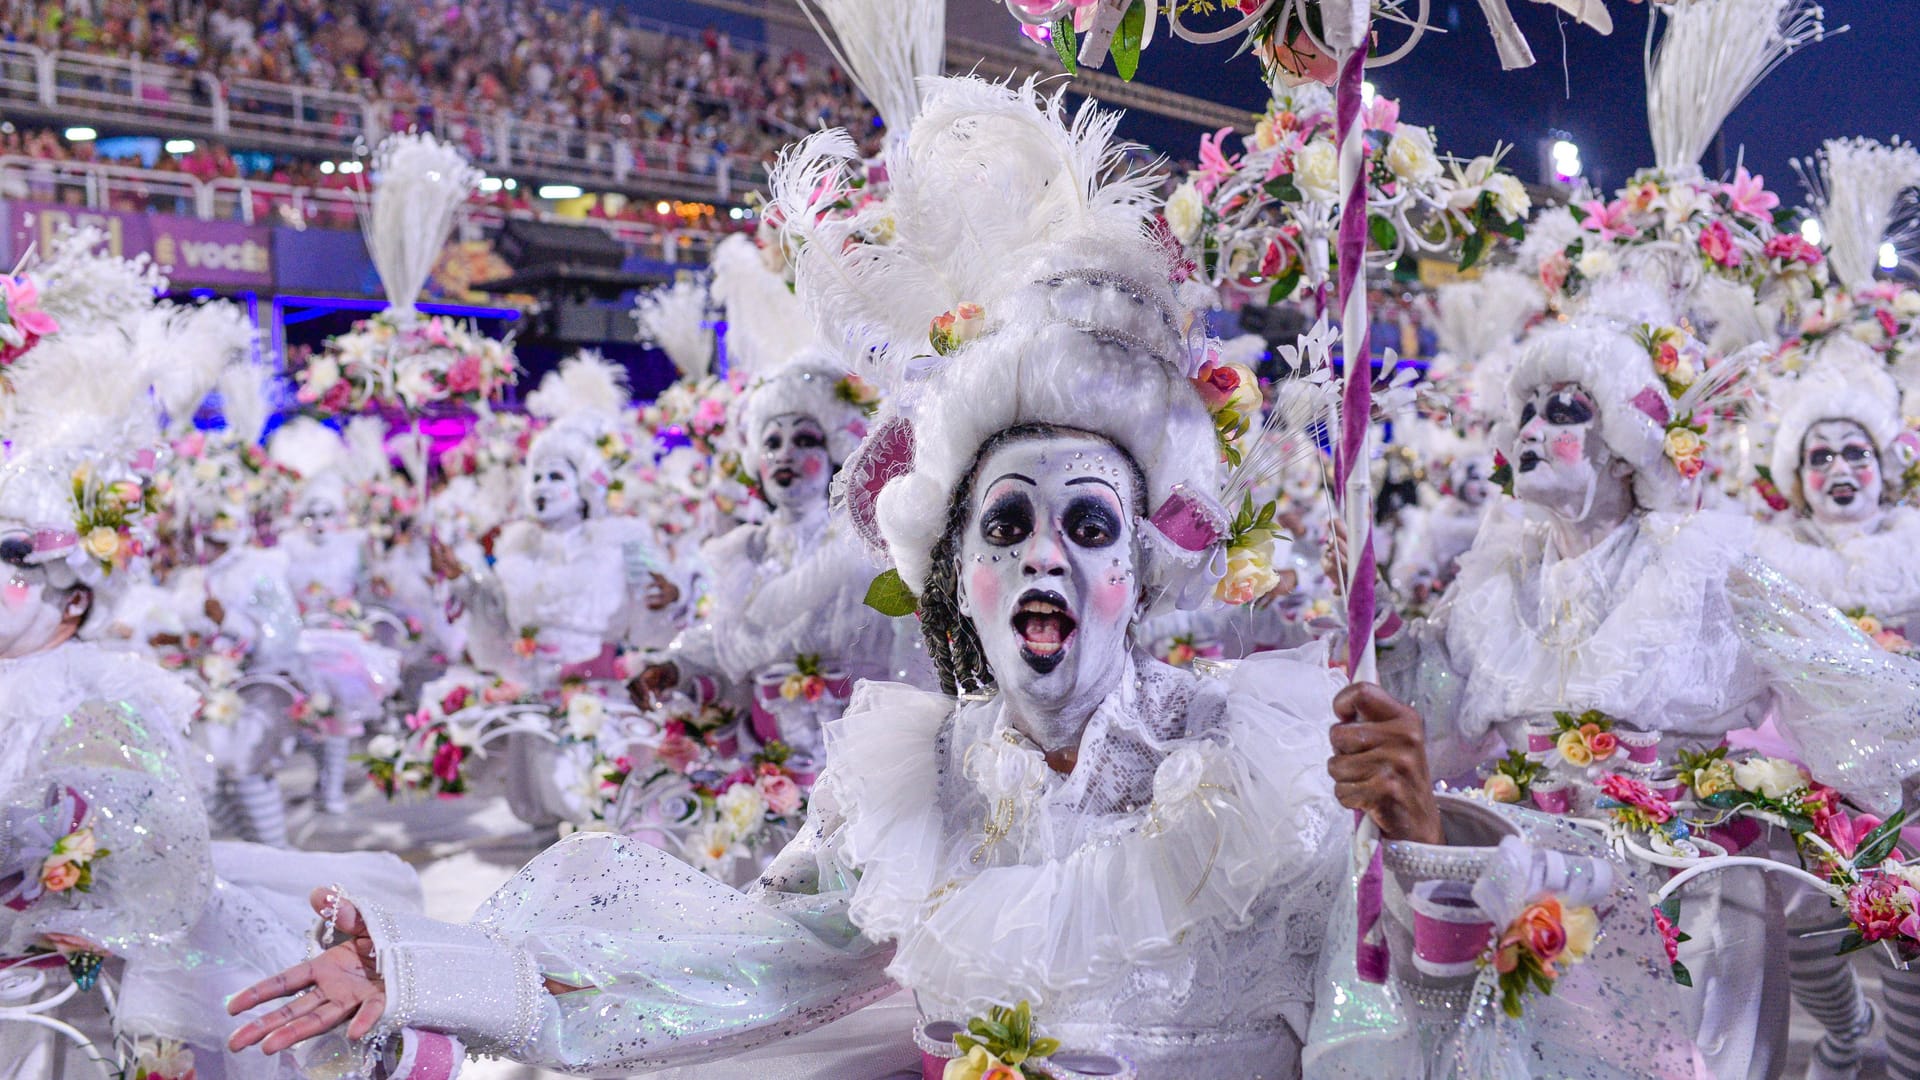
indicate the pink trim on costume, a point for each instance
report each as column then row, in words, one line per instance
column 1551, row 800
column 1188, row 521
column 1648, row 401
column 604, row 666
column 54, row 539
column 1442, row 941
column 427, row 1055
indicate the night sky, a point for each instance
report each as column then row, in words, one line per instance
column 1863, row 82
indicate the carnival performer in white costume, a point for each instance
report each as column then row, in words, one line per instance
column 351, row 676
column 1606, row 601
column 571, row 586
column 104, row 860
column 792, row 586
column 1145, row 855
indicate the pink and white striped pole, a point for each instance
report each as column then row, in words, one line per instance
column 1347, row 25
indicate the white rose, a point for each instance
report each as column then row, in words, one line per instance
column 1867, row 331
column 1775, row 778
column 383, row 747
column 1596, row 263
column 1185, row 210
column 585, row 715
column 322, row 373
column 416, row 385
column 222, row 707
column 712, row 847
column 219, row 670
column 1410, row 155
column 741, row 808
column 1316, row 171
column 1906, row 303
column 206, row 470
column 1510, row 196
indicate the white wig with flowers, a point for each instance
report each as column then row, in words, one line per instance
column 1857, row 392
column 583, row 400
column 813, row 384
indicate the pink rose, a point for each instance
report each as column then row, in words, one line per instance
column 456, row 699
column 677, row 752
column 500, row 693
column 1792, row 247
column 1716, row 243
column 1630, row 792
column 1603, row 744
column 781, row 793
column 59, row 877
column 1554, row 270
column 446, row 762
column 1879, row 904
column 465, row 376
column 337, row 397
column 191, row 446
column 1669, row 935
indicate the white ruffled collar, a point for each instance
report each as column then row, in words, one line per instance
column 39, row 690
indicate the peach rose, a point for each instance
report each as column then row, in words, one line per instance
column 59, row 877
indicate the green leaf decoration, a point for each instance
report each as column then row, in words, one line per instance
column 1283, row 286
column 1064, row 45
column 1472, row 248
column 1126, row 40
column 1879, row 843
column 1852, row 943
column 890, row 596
column 1381, row 231
column 1282, row 189
column 1681, row 975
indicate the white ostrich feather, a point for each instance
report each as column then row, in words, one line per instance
column 308, row 447
column 1472, row 318
column 419, row 183
column 766, row 325
column 1713, row 53
column 187, row 348
column 887, row 47
column 991, row 173
column 246, row 397
column 365, row 442
column 1861, row 191
column 82, row 283
column 584, row 384
column 1733, row 316
column 674, row 317
column 83, row 388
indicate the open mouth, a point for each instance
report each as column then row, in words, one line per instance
column 1529, row 460
column 539, row 504
column 1843, row 493
column 785, row 476
column 1045, row 627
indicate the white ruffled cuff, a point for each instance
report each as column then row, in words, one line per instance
column 455, row 978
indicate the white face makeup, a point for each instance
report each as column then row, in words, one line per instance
column 553, row 491
column 1047, row 576
column 1840, row 473
column 31, row 609
column 1472, row 484
column 1559, row 456
column 320, row 513
column 794, row 466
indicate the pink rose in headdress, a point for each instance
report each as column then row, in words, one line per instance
column 446, row 762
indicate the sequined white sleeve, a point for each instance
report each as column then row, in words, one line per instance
column 1850, row 708
column 1417, row 667
column 674, row 967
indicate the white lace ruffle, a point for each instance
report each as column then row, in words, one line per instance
column 1238, row 815
column 1872, row 570
column 1639, row 627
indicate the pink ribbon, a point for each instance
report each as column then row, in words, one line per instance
column 427, row 1055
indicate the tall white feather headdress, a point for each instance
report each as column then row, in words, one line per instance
column 1713, row 53
column 1861, row 190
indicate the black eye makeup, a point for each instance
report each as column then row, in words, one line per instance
column 1564, row 408
column 1091, row 523
column 1007, row 520
column 809, row 440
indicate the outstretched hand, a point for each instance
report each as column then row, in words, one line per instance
column 1379, row 764
column 340, row 986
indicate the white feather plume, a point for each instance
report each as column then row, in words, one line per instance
column 887, row 47
column 674, row 317
column 1733, row 317
column 1858, row 187
column 83, row 283
column 419, row 183
column 1472, row 318
column 1713, row 53
column 246, row 397
column 991, row 173
column 766, row 325
column 584, row 384
column 366, row 459
column 308, row 447
column 81, row 388
column 187, row 348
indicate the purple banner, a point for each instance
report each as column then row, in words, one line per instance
column 188, row 250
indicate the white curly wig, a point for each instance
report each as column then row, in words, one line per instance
column 1854, row 392
column 808, row 386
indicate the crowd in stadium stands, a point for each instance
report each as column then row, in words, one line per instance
column 691, row 106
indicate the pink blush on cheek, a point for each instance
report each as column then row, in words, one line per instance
column 1111, row 598
column 14, row 595
column 811, row 466
column 1566, row 448
column 983, row 588
column 1817, row 481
